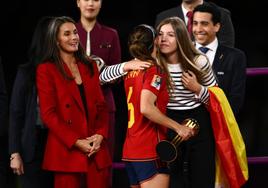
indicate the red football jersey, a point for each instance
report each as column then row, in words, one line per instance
column 142, row 134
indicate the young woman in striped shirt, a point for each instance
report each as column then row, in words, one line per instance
column 191, row 75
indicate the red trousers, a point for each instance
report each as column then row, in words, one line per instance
column 94, row 178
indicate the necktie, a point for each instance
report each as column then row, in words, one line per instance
column 190, row 21
column 203, row 49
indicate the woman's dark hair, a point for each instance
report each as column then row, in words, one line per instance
column 36, row 50
column 52, row 50
column 141, row 42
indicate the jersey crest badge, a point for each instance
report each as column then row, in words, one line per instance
column 156, row 82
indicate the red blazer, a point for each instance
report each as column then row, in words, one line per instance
column 63, row 113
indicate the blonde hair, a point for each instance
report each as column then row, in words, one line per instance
column 186, row 51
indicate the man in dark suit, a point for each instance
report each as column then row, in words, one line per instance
column 226, row 33
column 229, row 64
column 3, row 130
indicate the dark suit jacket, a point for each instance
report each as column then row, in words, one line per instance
column 3, row 102
column 226, row 35
column 229, row 66
column 106, row 45
column 23, row 113
column 63, row 112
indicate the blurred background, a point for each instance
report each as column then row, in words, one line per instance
column 20, row 18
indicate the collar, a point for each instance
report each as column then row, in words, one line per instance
column 96, row 26
column 212, row 46
column 184, row 11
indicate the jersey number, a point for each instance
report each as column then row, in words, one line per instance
column 130, row 108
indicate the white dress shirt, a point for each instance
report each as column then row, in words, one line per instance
column 212, row 49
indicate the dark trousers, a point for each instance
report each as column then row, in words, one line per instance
column 34, row 176
column 6, row 176
column 195, row 164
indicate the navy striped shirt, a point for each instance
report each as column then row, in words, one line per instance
column 184, row 99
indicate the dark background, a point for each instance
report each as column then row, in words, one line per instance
column 20, row 18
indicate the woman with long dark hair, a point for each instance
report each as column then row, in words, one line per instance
column 73, row 108
column 27, row 133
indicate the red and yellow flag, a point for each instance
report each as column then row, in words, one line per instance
column 231, row 159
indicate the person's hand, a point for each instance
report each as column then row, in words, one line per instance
column 85, row 145
column 185, row 132
column 136, row 64
column 96, row 141
column 190, row 82
column 16, row 164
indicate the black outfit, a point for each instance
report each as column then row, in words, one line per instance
column 5, row 175
column 83, row 97
column 198, row 169
column 26, row 135
column 226, row 35
column 195, row 165
column 229, row 66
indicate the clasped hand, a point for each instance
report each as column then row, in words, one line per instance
column 90, row 145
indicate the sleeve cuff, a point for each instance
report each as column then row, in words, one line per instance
column 121, row 69
column 200, row 93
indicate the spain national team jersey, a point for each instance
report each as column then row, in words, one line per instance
column 142, row 134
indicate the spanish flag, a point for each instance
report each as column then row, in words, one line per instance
column 231, row 159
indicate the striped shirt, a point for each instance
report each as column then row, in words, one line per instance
column 184, row 99
column 112, row 72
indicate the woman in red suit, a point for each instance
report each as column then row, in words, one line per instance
column 73, row 108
